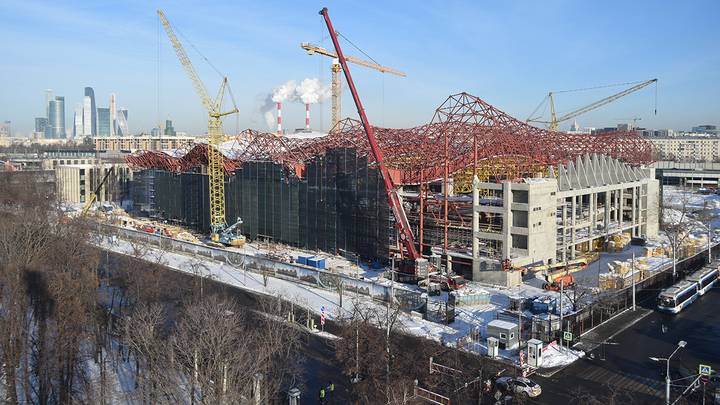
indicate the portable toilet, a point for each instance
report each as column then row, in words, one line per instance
column 534, row 357
column 492, row 345
column 506, row 332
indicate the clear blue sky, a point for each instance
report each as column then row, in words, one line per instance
column 509, row 53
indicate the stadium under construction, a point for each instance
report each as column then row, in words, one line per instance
column 479, row 187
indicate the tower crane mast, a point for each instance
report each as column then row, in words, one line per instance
column 216, row 169
column 401, row 222
column 336, row 87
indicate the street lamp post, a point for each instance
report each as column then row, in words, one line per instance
column 680, row 345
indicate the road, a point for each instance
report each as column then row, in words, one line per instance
column 627, row 367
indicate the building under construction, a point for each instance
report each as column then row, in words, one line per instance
column 478, row 186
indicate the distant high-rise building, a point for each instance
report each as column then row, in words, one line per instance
column 40, row 124
column 122, row 125
column 169, row 129
column 103, row 122
column 706, row 129
column 156, row 132
column 6, row 129
column 78, row 121
column 87, row 117
column 89, row 92
column 113, row 115
column 48, row 98
column 56, row 119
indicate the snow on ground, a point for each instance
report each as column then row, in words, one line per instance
column 468, row 318
column 556, row 356
column 676, row 197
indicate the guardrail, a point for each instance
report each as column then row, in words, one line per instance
column 262, row 265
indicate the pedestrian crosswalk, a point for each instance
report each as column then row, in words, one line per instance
column 620, row 381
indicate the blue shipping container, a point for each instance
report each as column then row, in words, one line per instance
column 303, row 259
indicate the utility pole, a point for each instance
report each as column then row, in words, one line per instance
column 387, row 336
column 562, row 291
column 680, row 345
column 633, row 281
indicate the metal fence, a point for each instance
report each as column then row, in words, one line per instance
column 612, row 303
column 262, row 265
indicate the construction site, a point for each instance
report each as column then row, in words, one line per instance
column 486, row 232
column 480, row 193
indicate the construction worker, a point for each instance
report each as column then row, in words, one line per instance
column 322, row 396
column 331, row 390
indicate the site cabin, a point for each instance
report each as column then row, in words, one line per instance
column 705, row 278
column 505, row 332
column 674, row 299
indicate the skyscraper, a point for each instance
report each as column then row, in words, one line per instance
column 78, row 121
column 93, row 112
column 40, row 124
column 6, row 129
column 56, row 119
column 122, row 122
column 169, row 129
column 88, row 118
column 103, row 122
column 113, row 115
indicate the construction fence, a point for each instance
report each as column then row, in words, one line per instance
column 613, row 302
column 407, row 300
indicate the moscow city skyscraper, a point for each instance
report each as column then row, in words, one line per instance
column 90, row 125
column 56, row 118
column 104, row 124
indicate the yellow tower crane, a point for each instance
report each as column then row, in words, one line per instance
column 555, row 120
column 216, row 169
column 335, row 69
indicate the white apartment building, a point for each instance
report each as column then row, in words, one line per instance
column 687, row 148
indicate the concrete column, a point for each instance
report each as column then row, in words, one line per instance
column 621, row 206
column 635, row 199
column 507, row 220
column 607, row 212
column 574, row 219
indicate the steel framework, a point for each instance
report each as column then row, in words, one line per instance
column 465, row 133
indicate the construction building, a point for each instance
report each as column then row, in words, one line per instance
column 143, row 142
column 539, row 196
column 75, row 182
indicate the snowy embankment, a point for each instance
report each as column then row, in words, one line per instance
column 468, row 319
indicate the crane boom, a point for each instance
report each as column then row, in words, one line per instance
column 93, row 195
column 310, row 48
column 604, row 101
column 401, row 222
column 335, row 69
column 555, row 120
column 186, row 63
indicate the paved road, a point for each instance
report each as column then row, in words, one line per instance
column 627, row 366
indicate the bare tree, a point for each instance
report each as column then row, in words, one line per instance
column 677, row 223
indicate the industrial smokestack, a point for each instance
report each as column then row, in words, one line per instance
column 307, row 116
column 279, row 118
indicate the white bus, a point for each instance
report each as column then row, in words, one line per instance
column 674, row 299
column 704, row 278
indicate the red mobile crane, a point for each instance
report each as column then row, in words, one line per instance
column 401, row 222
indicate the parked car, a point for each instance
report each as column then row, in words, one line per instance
column 519, row 385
